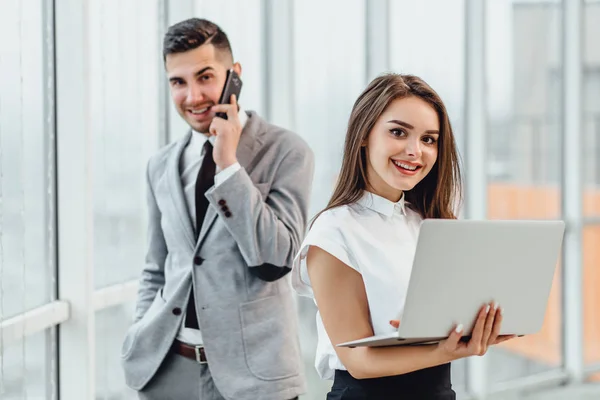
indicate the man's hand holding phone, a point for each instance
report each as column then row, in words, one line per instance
column 228, row 132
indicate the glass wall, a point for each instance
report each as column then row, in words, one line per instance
column 329, row 73
column 27, row 276
column 23, row 162
column 26, row 370
column 591, row 161
column 301, row 71
column 523, row 62
column 125, row 58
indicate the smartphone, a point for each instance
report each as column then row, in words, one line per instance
column 233, row 85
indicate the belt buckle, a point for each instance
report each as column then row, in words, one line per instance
column 199, row 355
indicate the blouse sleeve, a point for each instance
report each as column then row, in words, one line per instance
column 326, row 233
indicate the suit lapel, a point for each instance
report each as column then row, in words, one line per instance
column 245, row 150
column 244, row 154
column 177, row 194
column 209, row 218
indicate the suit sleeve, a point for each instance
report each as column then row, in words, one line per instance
column 268, row 232
column 153, row 275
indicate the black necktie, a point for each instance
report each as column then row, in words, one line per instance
column 204, row 181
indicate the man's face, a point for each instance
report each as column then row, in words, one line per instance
column 196, row 78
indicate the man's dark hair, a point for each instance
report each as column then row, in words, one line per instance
column 192, row 33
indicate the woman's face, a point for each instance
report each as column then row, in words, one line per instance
column 402, row 147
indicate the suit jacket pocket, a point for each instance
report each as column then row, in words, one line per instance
column 269, row 334
column 132, row 333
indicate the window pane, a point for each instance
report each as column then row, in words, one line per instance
column 591, row 308
column 591, row 108
column 24, row 369
column 524, row 76
column 591, row 234
column 111, row 326
column 330, row 72
column 124, row 84
column 25, row 279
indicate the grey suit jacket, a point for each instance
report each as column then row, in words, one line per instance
column 255, row 222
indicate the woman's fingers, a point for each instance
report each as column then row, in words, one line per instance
column 486, row 332
column 474, row 345
column 497, row 325
column 489, row 324
column 451, row 344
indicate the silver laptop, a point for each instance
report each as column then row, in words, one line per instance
column 459, row 265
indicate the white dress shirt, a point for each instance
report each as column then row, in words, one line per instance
column 375, row 237
column 189, row 166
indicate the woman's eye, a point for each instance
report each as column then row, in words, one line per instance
column 397, row 132
column 429, row 140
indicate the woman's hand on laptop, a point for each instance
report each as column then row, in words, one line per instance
column 485, row 334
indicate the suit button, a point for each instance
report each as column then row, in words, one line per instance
column 227, row 214
column 225, row 208
column 222, row 202
column 198, row 260
column 177, row 311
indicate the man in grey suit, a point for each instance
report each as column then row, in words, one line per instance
column 215, row 317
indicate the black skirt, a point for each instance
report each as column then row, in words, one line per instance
column 427, row 384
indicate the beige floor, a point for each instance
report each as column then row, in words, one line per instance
column 584, row 392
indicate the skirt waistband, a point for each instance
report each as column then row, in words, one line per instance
column 434, row 380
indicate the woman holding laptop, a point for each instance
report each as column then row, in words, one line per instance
column 400, row 165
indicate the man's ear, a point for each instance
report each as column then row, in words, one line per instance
column 237, row 67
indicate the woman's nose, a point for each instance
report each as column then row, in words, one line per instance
column 413, row 148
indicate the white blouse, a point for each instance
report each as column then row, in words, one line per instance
column 375, row 237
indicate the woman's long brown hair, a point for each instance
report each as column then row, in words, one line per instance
column 436, row 195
